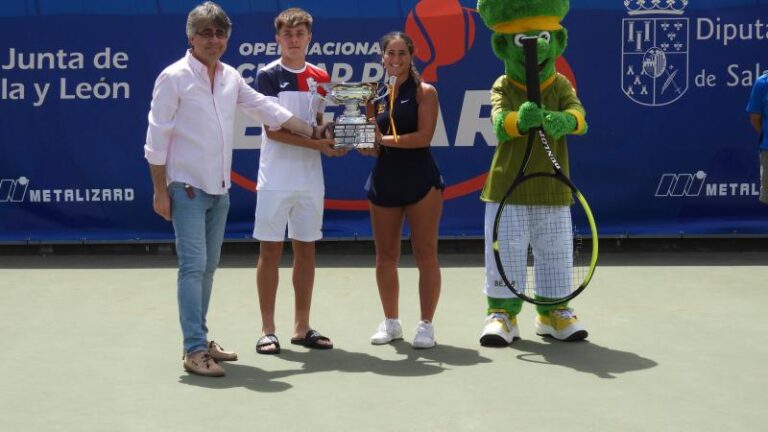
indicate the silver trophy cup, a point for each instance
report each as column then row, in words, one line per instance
column 351, row 129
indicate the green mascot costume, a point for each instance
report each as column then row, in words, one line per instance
column 513, row 115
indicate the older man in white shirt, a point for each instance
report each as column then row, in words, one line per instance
column 189, row 150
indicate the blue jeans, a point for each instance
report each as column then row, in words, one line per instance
column 199, row 223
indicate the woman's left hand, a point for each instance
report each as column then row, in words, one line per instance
column 370, row 151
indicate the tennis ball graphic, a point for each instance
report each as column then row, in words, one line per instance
column 443, row 32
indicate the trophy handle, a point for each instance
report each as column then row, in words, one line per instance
column 313, row 95
column 390, row 83
column 312, row 84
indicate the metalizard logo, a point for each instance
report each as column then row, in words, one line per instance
column 18, row 190
column 679, row 185
column 13, row 190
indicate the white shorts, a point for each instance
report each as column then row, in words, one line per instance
column 547, row 236
column 301, row 211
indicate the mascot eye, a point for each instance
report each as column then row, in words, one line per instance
column 519, row 39
column 545, row 35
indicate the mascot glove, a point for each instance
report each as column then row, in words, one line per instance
column 557, row 124
column 529, row 116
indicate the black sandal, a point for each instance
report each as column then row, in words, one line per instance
column 265, row 341
column 312, row 339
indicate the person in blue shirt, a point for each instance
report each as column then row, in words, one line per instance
column 758, row 116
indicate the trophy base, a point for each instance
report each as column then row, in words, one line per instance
column 352, row 136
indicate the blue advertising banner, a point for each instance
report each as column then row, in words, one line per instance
column 665, row 83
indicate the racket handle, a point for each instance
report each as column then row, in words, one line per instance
column 532, row 84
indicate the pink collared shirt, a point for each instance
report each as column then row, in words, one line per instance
column 191, row 128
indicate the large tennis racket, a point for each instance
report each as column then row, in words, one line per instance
column 544, row 234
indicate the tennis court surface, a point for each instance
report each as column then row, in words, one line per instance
column 677, row 343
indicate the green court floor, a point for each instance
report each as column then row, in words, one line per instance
column 92, row 343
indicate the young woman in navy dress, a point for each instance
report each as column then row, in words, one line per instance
column 405, row 184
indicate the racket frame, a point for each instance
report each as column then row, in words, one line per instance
column 534, row 95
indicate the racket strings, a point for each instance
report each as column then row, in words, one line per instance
column 539, row 249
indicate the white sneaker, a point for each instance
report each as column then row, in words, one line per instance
column 425, row 335
column 499, row 330
column 388, row 330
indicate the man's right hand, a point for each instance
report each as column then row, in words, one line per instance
column 161, row 202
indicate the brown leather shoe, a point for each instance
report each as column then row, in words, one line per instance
column 201, row 363
column 218, row 353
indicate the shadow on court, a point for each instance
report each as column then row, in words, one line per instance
column 583, row 356
column 415, row 363
column 238, row 375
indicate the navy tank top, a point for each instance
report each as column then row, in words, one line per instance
column 401, row 176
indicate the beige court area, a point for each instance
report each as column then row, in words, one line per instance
column 678, row 342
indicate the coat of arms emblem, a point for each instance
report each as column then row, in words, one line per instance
column 655, row 48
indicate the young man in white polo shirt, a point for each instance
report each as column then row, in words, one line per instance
column 291, row 187
column 189, row 150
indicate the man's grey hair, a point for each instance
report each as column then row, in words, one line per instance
column 208, row 14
